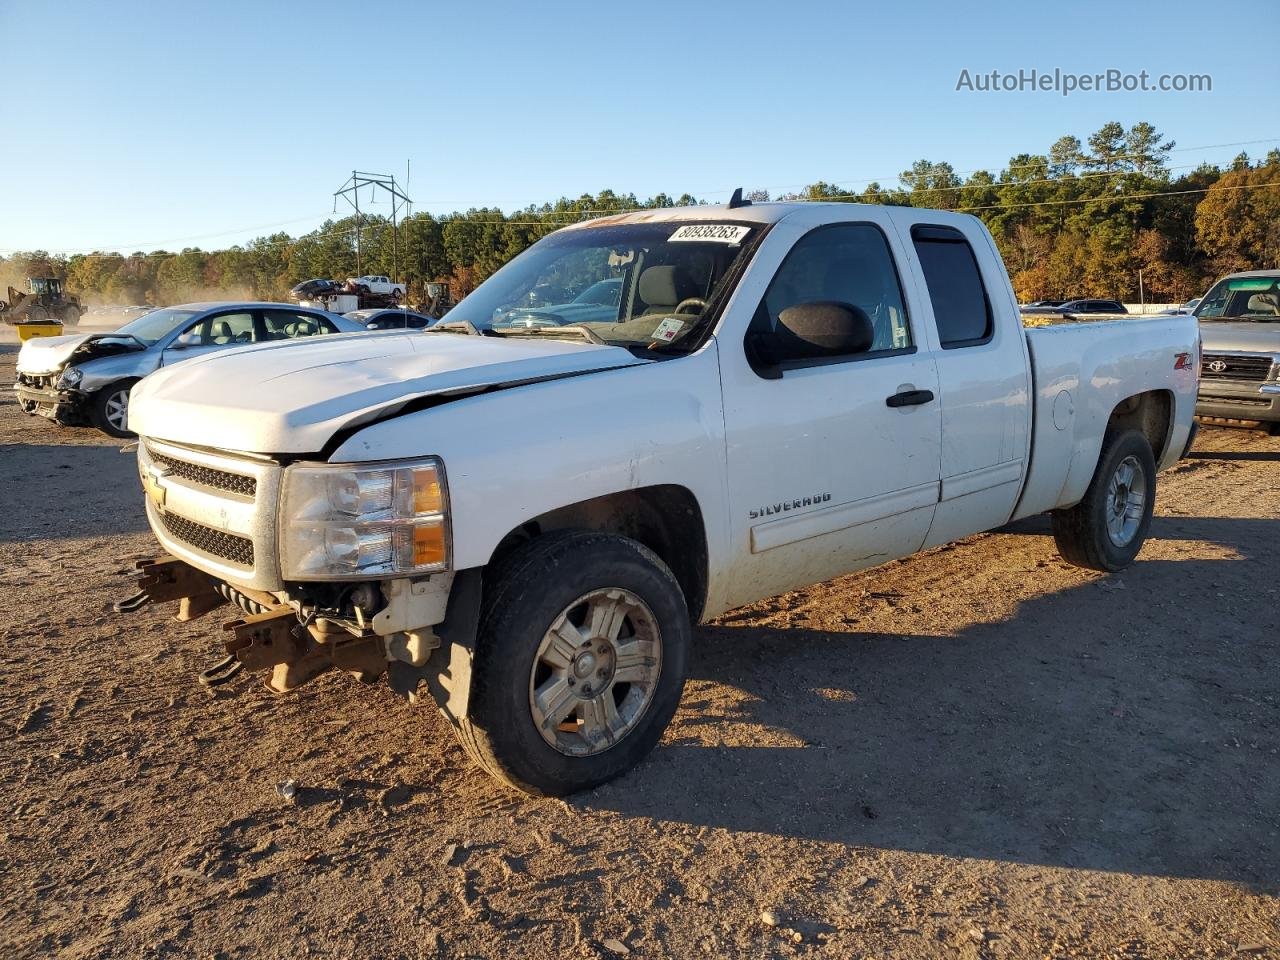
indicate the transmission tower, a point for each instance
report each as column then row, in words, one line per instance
column 350, row 191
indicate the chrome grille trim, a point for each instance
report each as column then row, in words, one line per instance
column 1237, row 366
column 212, row 520
column 205, row 476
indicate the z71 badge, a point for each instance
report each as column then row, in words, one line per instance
column 786, row 506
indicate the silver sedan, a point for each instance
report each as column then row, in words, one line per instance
column 86, row 378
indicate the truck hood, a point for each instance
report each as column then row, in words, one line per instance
column 44, row 355
column 1219, row 336
column 293, row 397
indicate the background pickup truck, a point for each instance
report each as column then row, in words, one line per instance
column 1240, row 373
column 530, row 520
column 376, row 284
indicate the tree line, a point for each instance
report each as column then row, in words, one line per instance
column 1083, row 219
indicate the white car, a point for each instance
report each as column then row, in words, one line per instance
column 530, row 521
column 378, row 284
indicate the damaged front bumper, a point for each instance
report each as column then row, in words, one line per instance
column 39, row 396
column 424, row 632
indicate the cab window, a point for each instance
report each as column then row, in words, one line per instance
column 961, row 307
column 847, row 263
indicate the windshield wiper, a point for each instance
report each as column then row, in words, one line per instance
column 459, row 326
column 585, row 332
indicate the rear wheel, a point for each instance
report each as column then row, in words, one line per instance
column 579, row 662
column 1106, row 529
column 71, row 315
column 110, row 409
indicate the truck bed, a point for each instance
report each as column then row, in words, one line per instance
column 1080, row 373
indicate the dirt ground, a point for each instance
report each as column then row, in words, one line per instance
column 977, row 752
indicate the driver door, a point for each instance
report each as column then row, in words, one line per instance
column 833, row 462
column 211, row 333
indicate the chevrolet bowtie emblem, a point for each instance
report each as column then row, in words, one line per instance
column 151, row 478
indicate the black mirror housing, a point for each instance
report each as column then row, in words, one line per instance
column 820, row 329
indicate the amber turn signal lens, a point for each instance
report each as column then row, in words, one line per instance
column 427, row 497
column 428, row 544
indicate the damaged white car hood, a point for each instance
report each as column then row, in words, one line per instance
column 292, row 397
column 42, row 355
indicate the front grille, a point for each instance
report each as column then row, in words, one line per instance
column 35, row 382
column 206, row 476
column 216, row 543
column 1226, row 366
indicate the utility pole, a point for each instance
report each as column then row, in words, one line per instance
column 350, row 191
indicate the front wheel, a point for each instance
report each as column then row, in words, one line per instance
column 110, row 410
column 1106, row 529
column 579, row 662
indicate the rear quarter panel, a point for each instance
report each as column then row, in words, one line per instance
column 1081, row 372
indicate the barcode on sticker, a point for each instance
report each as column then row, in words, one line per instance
column 710, row 233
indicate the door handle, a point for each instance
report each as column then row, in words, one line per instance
column 909, row 398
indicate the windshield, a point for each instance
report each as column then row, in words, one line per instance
column 1242, row 298
column 150, row 327
column 630, row 285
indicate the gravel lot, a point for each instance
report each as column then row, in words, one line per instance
column 977, row 752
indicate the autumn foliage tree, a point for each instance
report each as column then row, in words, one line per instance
column 1083, row 218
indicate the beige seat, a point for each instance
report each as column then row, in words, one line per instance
column 1264, row 303
column 664, row 287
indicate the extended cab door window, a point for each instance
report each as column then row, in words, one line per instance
column 961, row 307
column 983, row 373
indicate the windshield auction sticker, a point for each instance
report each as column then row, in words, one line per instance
column 710, row 233
column 668, row 329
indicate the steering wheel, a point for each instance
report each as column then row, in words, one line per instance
column 691, row 302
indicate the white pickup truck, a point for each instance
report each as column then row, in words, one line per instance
column 530, row 521
column 376, row 284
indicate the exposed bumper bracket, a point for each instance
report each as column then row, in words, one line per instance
column 168, row 579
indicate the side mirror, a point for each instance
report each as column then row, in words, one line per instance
column 188, row 339
column 814, row 331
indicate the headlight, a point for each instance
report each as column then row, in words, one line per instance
column 342, row 522
column 70, row 378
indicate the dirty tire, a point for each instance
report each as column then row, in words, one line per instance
column 1081, row 532
column 525, row 594
column 37, row 314
column 104, row 411
column 71, row 316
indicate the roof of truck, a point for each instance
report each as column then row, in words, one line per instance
column 746, row 213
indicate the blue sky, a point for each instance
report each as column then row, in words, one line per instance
column 148, row 125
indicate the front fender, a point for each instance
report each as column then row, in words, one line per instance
column 515, row 454
column 125, row 366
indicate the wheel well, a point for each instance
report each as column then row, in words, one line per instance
column 665, row 518
column 1151, row 413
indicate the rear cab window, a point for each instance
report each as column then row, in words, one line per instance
column 961, row 306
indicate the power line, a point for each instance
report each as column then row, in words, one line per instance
column 558, row 218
